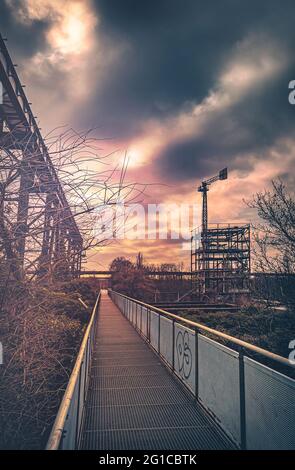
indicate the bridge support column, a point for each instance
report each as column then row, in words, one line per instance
column 22, row 213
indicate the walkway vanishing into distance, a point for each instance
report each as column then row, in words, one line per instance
column 147, row 379
column 133, row 401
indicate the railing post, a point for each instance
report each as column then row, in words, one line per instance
column 242, row 401
column 173, row 344
column 159, row 336
column 196, row 364
column 63, row 435
column 87, row 357
column 78, row 408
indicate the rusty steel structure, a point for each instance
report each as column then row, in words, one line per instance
column 40, row 195
column 220, row 253
column 221, row 264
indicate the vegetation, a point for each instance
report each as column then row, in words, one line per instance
column 41, row 318
column 275, row 234
column 41, row 331
column 132, row 279
column 260, row 325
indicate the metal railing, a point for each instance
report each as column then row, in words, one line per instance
column 66, row 430
column 253, row 403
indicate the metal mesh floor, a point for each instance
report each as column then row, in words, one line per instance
column 134, row 402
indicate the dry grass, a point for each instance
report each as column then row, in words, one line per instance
column 41, row 330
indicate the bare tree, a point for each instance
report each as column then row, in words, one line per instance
column 42, row 327
column 90, row 181
column 274, row 244
column 275, row 236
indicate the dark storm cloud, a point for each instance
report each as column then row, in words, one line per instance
column 176, row 50
column 249, row 128
column 168, row 55
column 23, row 39
column 173, row 52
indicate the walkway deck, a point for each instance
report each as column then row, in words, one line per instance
column 134, row 402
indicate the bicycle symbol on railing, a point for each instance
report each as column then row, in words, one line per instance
column 184, row 354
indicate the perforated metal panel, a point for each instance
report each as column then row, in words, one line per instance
column 144, row 321
column 185, row 355
column 126, row 309
column 154, row 330
column 166, row 339
column 133, row 312
column 69, row 440
column 270, row 408
column 139, row 317
column 129, row 312
column 219, row 384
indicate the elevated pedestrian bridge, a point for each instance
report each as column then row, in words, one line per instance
column 147, row 379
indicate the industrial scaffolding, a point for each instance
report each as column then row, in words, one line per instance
column 220, row 259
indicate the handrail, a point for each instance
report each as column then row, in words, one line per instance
column 242, row 395
column 59, row 423
column 232, row 339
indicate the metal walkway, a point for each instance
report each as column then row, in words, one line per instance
column 134, row 402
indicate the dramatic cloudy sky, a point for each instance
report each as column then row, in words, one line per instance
column 188, row 86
